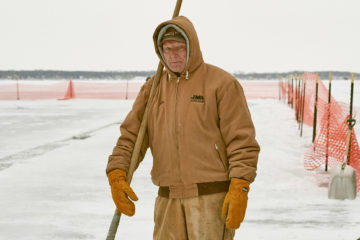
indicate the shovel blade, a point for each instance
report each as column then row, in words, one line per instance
column 342, row 184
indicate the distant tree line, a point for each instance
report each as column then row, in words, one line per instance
column 53, row 74
column 336, row 75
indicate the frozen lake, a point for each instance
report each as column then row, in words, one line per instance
column 53, row 185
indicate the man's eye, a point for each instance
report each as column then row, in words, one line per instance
column 175, row 49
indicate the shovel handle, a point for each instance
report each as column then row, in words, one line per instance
column 135, row 155
column 351, row 124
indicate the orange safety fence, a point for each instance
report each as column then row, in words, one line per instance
column 64, row 90
column 331, row 128
column 260, row 89
column 36, row 90
column 104, row 90
column 32, row 91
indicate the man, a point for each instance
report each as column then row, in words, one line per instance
column 202, row 140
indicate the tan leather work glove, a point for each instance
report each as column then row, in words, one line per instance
column 235, row 203
column 120, row 191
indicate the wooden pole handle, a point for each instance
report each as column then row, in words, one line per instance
column 139, row 140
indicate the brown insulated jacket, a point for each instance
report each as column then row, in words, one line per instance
column 199, row 126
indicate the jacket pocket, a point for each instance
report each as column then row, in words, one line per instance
column 220, row 159
column 156, row 111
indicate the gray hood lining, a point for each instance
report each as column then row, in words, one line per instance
column 161, row 34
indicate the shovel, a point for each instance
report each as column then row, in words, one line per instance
column 342, row 183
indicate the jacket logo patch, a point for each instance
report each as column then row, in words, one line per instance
column 197, row 98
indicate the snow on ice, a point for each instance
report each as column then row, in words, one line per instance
column 53, row 185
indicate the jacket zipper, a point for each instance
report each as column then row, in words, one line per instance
column 176, row 127
column 176, row 100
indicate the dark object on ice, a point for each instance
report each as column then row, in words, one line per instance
column 81, row 137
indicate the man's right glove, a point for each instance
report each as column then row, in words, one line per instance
column 120, row 191
column 235, row 203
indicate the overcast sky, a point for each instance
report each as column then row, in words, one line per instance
column 237, row 35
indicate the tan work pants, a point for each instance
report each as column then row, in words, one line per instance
column 196, row 218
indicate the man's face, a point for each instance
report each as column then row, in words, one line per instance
column 175, row 55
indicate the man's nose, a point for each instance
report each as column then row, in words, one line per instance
column 174, row 54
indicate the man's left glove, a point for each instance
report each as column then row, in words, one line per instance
column 120, row 191
column 235, row 203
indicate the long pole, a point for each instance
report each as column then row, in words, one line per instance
column 303, row 108
column 135, row 155
column 17, row 89
column 288, row 89
column 351, row 94
column 315, row 107
column 127, row 89
column 351, row 112
column 292, row 91
column 298, row 99
column 279, row 85
column 328, row 124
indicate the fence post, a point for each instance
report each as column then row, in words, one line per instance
column 287, row 89
column 292, row 91
column 279, row 88
column 298, row 99
column 351, row 111
column 328, row 125
column 351, row 94
column 127, row 88
column 17, row 89
column 303, row 107
column 315, row 107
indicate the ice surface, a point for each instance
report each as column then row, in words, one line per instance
column 54, row 185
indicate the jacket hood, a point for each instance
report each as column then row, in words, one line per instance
column 184, row 26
